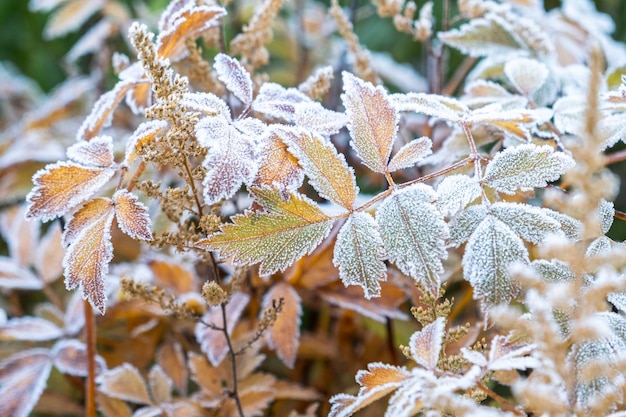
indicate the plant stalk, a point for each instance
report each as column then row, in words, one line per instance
column 90, row 341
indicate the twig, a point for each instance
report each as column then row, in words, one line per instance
column 90, row 340
column 503, row 402
column 458, row 76
column 390, row 344
column 234, row 394
column 615, row 157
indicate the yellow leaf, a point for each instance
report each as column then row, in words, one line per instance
column 290, row 228
column 327, row 170
column 62, row 186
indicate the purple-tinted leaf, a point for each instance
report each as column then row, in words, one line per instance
column 124, row 382
column 23, row 378
column 15, row 276
column 70, row 357
column 97, row 152
column 30, row 328
column 235, row 77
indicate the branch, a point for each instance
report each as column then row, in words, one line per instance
column 90, row 340
column 234, row 394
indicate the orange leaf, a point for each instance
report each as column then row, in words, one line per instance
column 62, row 186
column 87, row 259
column 284, row 335
column 373, row 121
column 170, row 357
column 132, row 216
column 277, row 165
column 126, row 383
column 102, row 112
column 97, row 152
column 189, row 21
column 176, row 276
column 86, row 216
column 145, row 133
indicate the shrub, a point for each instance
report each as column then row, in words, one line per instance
column 248, row 246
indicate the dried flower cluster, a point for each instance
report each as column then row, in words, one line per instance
column 252, row 242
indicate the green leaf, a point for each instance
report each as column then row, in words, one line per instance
column 359, row 253
column 491, row 250
column 414, row 234
column 525, row 167
column 288, row 230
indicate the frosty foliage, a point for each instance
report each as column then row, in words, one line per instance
column 201, row 197
column 359, row 253
column 455, row 192
column 492, row 248
column 237, row 79
column 525, row 167
column 414, row 234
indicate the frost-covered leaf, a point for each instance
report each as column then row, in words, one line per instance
column 92, row 41
column 425, row 344
column 231, row 160
column 187, row 21
column 14, row 276
column 465, row 223
column 326, row 169
column 433, row 105
column 531, row 223
column 569, row 225
column 235, row 77
column 359, row 253
column 414, row 234
column 525, row 167
column 70, row 357
column 569, row 113
column 132, row 215
column 212, row 341
column 553, row 270
column 29, row 328
column 489, row 35
column 256, row 393
column 86, row 216
column 411, row 153
column 606, row 212
column 276, row 164
column 491, row 250
column 71, row 16
column 455, row 192
column 284, row 335
column 23, row 378
column 278, row 102
column 372, row 121
column 611, row 129
column 86, row 261
column 160, row 385
column 313, row 117
column 62, row 186
column 515, row 122
column 527, row 75
column 102, row 111
column 20, row 234
column 125, row 383
column 379, row 380
column 507, row 355
column 144, row 134
column 207, row 103
column 97, row 152
column 276, row 238
column 600, row 246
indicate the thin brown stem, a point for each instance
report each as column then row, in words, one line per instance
column 192, row 184
column 133, row 181
column 90, row 341
column 390, row 344
column 458, row 76
column 231, row 353
column 503, row 401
